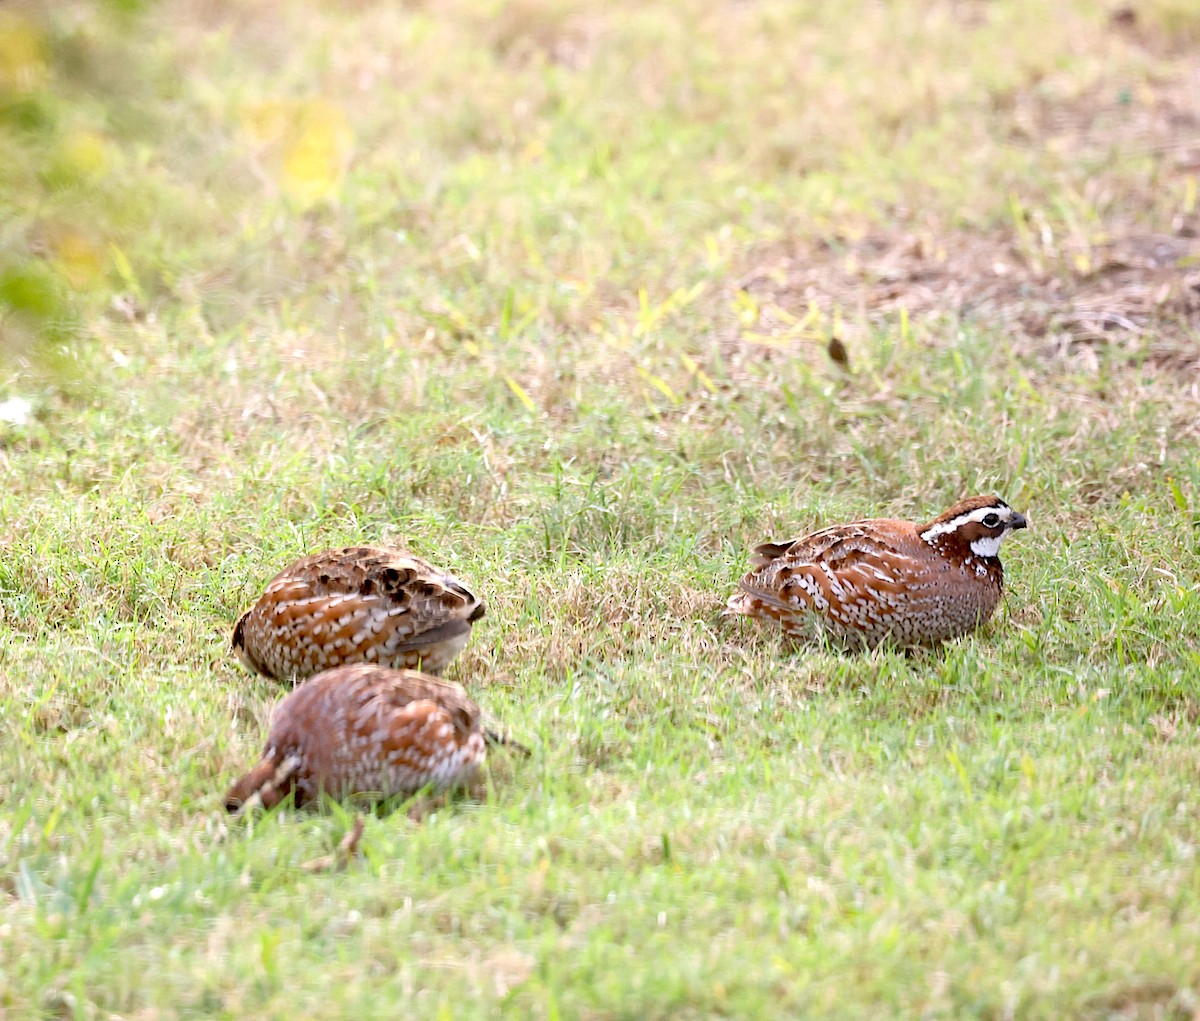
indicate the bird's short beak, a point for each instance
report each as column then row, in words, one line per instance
column 1018, row 521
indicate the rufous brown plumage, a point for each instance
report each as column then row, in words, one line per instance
column 369, row 731
column 879, row 580
column 364, row 604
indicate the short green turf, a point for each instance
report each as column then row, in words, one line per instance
column 514, row 337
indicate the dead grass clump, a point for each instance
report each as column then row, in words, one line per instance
column 1144, row 285
column 1111, row 261
column 1162, row 27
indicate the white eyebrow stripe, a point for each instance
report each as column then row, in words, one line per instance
column 946, row 527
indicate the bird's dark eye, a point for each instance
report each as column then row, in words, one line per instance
column 991, row 520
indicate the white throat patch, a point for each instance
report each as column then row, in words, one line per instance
column 988, row 546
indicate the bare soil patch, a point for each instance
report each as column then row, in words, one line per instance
column 1123, row 269
column 1145, row 287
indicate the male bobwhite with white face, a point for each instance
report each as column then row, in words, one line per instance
column 364, row 604
column 369, row 731
column 884, row 580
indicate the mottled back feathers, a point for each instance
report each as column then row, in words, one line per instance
column 363, row 604
column 365, row 730
column 884, row 579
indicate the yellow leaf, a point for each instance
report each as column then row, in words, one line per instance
column 516, row 388
column 660, row 385
column 303, row 144
column 684, row 297
column 85, row 153
column 23, row 65
column 316, row 159
column 746, row 308
column 712, row 249
column 78, row 259
column 125, row 271
column 533, row 151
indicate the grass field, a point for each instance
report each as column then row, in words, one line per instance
column 547, row 291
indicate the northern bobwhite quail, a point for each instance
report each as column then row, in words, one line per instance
column 364, row 604
column 369, row 731
column 882, row 579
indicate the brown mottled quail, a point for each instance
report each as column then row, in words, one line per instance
column 364, row 604
column 368, row 731
column 880, row 580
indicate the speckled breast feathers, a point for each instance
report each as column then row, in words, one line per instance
column 883, row 579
